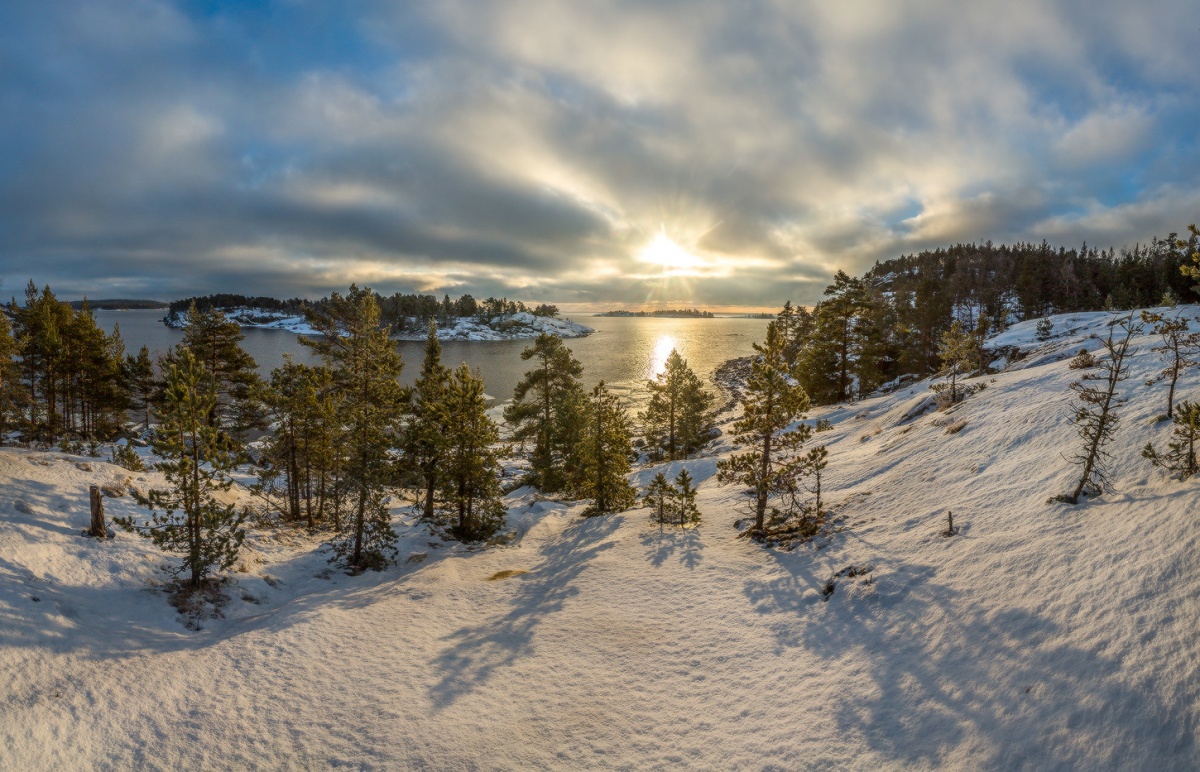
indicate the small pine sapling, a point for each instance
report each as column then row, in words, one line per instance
column 1044, row 328
column 125, row 456
column 950, row 530
column 1096, row 417
column 657, row 497
column 1177, row 348
column 373, row 539
column 1083, row 360
column 959, row 357
column 812, row 475
column 684, row 499
column 1180, row 457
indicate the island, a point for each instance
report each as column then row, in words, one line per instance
column 682, row 313
column 407, row 316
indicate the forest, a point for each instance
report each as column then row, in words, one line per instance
column 400, row 312
column 333, row 441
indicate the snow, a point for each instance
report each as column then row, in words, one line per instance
column 1042, row 635
column 505, row 327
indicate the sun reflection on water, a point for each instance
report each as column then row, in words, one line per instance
column 662, row 349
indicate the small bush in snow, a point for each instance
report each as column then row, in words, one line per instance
column 125, row 456
column 1083, row 360
column 1180, row 458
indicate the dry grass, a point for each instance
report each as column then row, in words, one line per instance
column 507, row 573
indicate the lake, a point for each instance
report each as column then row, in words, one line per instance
column 624, row 351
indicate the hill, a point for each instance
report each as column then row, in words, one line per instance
column 1042, row 635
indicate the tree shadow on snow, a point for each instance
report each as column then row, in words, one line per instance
column 686, row 543
column 475, row 653
column 1003, row 685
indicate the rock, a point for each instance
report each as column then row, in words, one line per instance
column 22, row 507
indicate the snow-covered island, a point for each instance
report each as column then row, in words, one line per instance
column 515, row 326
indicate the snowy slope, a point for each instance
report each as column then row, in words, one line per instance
column 1042, row 636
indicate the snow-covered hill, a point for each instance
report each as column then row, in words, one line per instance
column 504, row 327
column 1042, row 636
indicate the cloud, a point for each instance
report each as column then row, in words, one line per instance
column 532, row 148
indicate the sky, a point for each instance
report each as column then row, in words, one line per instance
column 592, row 153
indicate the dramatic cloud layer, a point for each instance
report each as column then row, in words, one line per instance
column 534, row 148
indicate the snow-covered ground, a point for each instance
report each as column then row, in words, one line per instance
column 1042, row 636
column 506, row 327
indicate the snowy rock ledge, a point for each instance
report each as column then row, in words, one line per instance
column 507, row 327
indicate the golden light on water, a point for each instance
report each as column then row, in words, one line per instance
column 662, row 349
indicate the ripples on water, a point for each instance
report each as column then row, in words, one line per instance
column 624, row 351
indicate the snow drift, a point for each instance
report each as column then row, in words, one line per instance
column 1042, row 635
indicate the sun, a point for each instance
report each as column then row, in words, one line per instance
column 664, row 252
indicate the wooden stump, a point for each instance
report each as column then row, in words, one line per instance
column 98, row 530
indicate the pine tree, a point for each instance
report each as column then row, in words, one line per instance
column 678, row 416
column 301, row 451
column 605, row 448
column 197, row 462
column 812, row 474
column 1180, row 457
column 11, row 395
column 773, row 400
column 366, row 370
column 959, row 358
column 139, row 375
column 470, row 480
column 1096, row 418
column 1177, row 348
column 547, row 408
column 216, row 342
column 684, row 499
column 658, row 497
column 427, row 435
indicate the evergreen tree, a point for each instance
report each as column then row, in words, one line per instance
column 366, row 370
column 773, row 400
column 301, row 452
column 427, row 435
column 547, row 408
column 959, row 357
column 216, row 342
column 684, row 499
column 1096, row 417
column 139, row 375
column 658, row 497
column 41, row 328
column 11, row 395
column 470, row 481
column 605, row 448
column 812, row 474
column 197, row 462
column 1180, row 457
column 678, row 416
column 1177, row 348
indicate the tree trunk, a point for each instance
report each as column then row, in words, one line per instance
column 98, row 529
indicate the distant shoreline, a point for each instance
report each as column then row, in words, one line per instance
column 685, row 313
column 120, row 304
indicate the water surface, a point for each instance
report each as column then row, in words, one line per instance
column 624, row 351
